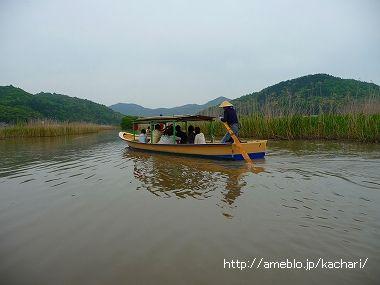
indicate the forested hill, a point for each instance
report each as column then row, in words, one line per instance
column 311, row 94
column 18, row 105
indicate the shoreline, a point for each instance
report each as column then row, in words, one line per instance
column 363, row 128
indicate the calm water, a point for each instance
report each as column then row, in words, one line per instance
column 87, row 210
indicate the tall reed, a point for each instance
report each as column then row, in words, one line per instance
column 356, row 120
column 356, row 127
column 48, row 128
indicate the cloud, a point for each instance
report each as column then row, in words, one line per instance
column 167, row 53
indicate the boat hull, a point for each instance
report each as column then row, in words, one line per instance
column 256, row 149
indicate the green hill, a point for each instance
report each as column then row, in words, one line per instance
column 311, row 94
column 17, row 105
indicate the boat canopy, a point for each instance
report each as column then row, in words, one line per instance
column 174, row 118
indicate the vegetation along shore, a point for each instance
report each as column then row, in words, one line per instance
column 353, row 127
column 50, row 129
column 355, row 121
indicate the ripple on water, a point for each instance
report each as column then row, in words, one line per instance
column 304, row 199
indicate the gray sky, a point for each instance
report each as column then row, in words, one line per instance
column 167, row 53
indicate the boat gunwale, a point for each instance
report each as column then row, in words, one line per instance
column 190, row 145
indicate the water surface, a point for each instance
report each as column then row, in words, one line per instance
column 88, row 210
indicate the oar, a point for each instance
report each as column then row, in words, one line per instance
column 238, row 144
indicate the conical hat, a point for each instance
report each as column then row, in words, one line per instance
column 225, row 104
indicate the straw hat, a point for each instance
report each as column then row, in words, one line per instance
column 225, row 104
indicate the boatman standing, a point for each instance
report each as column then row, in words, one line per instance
column 231, row 119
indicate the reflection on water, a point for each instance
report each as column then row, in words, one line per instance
column 166, row 176
column 88, row 210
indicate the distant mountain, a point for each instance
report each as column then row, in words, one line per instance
column 188, row 109
column 19, row 105
column 310, row 94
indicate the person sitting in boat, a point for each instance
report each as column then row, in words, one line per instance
column 156, row 133
column 231, row 119
column 179, row 133
column 142, row 136
column 199, row 137
column 190, row 134
column 168, row 136
column 148, row 132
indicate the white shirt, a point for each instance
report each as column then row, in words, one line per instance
column 142, row 138
column 166, row 140
column 200, row 139
column 156, row 136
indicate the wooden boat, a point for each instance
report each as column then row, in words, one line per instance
column 255, row 148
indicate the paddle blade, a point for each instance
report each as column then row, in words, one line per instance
column 238, row 144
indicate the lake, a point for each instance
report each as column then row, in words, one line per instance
column 88, row 210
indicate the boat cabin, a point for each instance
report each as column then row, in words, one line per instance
column 174, row 121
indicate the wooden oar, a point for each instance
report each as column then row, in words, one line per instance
column 238, row 144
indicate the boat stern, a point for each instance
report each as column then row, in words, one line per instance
column 256, row 149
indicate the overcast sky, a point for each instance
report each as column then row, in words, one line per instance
column 167, row 53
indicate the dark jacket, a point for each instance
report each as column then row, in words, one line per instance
column 183, row 136
column 191, row 138
column 230, row 116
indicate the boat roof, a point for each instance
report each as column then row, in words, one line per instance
column 174, row 118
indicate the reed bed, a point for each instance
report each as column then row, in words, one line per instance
column 355, row 127
column 355, row 121
column 50, row 129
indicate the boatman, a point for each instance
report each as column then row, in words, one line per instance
column 231, row 119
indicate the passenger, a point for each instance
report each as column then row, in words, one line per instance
column 190, row 134
column 168, row 137
column 148, row 132
column 156, row 133
column 142, row 136
column 231, row 119
column 169, row 130
column 199, row 137
column 181, row 135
